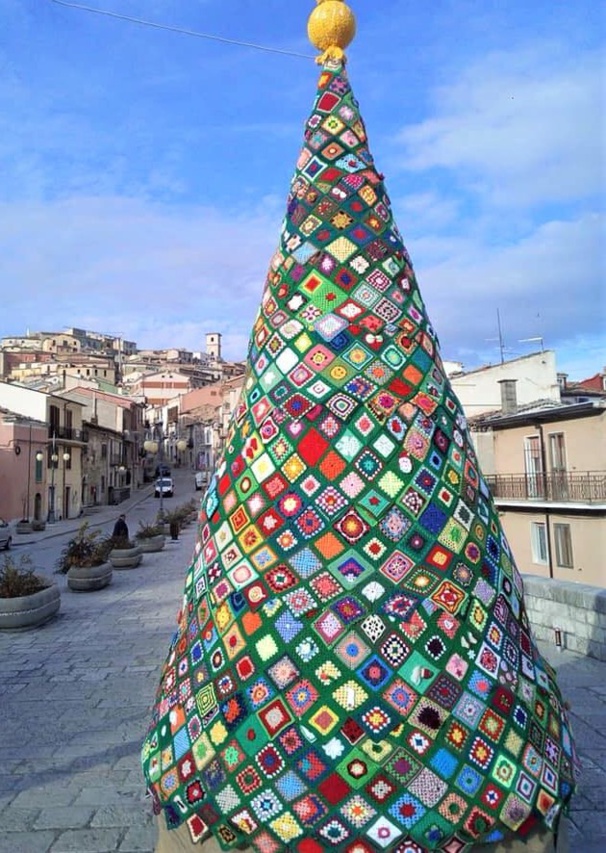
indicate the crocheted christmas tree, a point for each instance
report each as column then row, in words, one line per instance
column 353, row 668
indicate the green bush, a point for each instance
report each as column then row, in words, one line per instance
column 17, row 580
column 148, row 531
column 88, row 548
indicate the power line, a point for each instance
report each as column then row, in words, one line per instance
column 180, row 30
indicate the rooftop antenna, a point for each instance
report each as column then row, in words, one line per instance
column 532, row 340
column 500, row 338
column 536, row 338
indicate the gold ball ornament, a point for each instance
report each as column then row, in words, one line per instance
column 331, row 27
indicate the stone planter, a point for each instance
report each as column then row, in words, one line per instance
column 29, row 611
column 89, row 578
column 151, row 544
column 125, row 558
column 23, row 527
column 38, row 524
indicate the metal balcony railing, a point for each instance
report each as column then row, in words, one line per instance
column 67, row 433
column 580, row 486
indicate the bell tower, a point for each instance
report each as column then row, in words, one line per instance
column 213, row 346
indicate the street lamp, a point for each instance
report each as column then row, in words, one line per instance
column 181, row 446
column 54, row 459
column 51, row 497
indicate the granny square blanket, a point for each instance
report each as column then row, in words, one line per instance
column 353, row 668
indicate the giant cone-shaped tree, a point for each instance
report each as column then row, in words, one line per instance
column 353, row 666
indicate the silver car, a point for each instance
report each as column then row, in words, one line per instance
column 5, row 535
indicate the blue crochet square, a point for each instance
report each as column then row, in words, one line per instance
column 444, row 763
column 181, row 743
column 480, row 684
column 407, row 810
column 468, row 780
column 305, row 562
column 290, row 786
column 288, row 627
column 433, row 519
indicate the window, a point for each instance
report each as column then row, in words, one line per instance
column 563, row 545
column 104, row 451
column 538, row 541
column 54, row 419
column 39, row 470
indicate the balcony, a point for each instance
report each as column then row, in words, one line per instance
column 67, row 433
column 561, row 487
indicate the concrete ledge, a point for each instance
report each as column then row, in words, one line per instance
column 578, row 610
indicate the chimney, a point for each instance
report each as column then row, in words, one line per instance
column 509, row 400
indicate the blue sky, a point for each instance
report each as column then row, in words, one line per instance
column 144, row 173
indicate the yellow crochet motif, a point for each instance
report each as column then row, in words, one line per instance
column 331, row 27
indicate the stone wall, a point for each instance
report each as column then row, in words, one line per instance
column 577, row 609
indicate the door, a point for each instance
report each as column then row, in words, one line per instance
column 533, row 466
column 559, row 476
column 38, row 506
column 66, row 498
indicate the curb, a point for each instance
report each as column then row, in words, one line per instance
column 70, row 527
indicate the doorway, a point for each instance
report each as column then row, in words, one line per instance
column 533, row 466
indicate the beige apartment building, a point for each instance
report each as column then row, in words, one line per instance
column 546, row 468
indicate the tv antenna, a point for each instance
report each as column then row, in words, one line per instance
column 533, row 340
column 500, row 338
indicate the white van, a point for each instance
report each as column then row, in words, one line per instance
column 201, row 478
column 164, row 486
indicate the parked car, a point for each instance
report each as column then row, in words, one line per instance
column 201, row 478
column 5, row 535
column 165, row 487
column 163, row 470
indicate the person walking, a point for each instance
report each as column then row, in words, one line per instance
column 121, row 528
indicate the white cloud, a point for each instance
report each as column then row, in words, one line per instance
column 548, row 284
column 520, row 128
column 419, row 212
column 158, row 275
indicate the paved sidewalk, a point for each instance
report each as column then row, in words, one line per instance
column 75, row 697
column 95, row 517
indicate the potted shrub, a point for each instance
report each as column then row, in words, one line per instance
column 173, row 520
column 163, row 522
column 150, row 537
column 84, row 560
column 193, row 507
column 26, row 599
column 23, row 525
column 124, row 553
